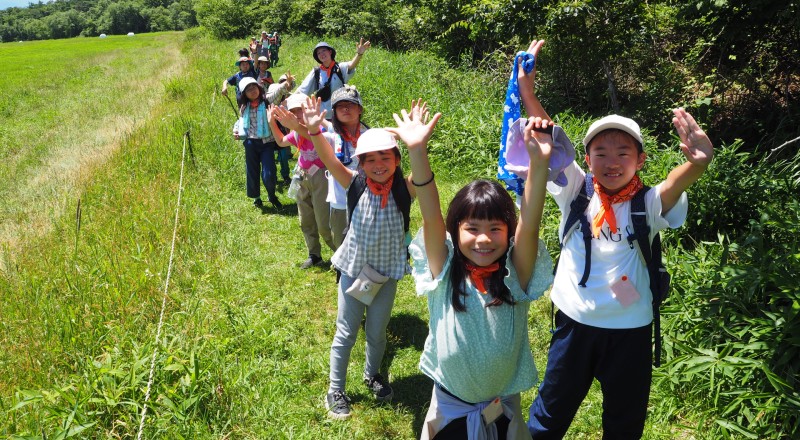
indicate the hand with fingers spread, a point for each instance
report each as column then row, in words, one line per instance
column 415, row 127
column 312, row 115
column 362, row 46
column 695, row 144
column 286, row 118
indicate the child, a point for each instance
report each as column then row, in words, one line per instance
column 347, row 128
column 245, row 71
column 604, row 322
column 479, row 269
column 312, row 208
column 264, row 76
column 259, row 144
column 373, row 256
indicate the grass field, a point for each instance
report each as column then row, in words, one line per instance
column 246, row 337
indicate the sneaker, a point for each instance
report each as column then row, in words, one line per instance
column 275, row 202
column 312, row 260
column 338, row 405
column 380, row 387
column 258, row 203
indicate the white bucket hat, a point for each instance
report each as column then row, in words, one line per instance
column 296, row 100
column 613, row 121
column 375, row 139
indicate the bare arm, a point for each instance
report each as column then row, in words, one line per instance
column 415, row 129
column 527, row 85
column 360, row 49
column 280, row 139
column 699, row 151
column 526, row 237
column 313, row 118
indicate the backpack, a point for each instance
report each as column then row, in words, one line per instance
column 325, row 92
column 650, row 252
column 402, row 198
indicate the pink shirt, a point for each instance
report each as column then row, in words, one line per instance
column 308, row 156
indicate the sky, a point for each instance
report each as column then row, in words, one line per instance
column 5, row 4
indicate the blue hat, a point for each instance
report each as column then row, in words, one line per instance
column 325, row 45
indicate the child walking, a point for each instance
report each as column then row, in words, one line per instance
column 479, row 269
column 312, row 208
column 604, row 321
column 259, row 144
column 373, row 252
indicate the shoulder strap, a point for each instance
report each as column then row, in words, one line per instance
column 651, row 254
column 402, row 198
column 338, row 71
column 577, row 215
column 316, row 78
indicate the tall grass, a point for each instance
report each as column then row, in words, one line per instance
column 247, row 333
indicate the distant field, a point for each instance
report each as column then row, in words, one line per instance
column 65, row 105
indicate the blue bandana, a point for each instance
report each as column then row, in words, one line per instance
column 511, row 112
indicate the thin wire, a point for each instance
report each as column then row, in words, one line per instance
column 164, row 299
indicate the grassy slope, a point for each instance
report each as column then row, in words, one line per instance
column 247, row 334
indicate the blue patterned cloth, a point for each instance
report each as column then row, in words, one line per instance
column 511, row 112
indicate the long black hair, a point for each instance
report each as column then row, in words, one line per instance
column 480, row 200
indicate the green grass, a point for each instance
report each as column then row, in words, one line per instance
column 245, row 345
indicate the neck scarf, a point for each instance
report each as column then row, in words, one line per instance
column 353, row 140
column 478, row 274
column 381, row 189
column 328, row 70
column 606, row 213
column 262, row 123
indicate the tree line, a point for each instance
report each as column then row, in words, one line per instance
column 735, row 63
column 88, row 18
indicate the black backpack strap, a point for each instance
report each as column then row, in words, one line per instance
column 402, row 198
column 354, row 191
column 316, row 78
column 577, row 214
column 651, row 254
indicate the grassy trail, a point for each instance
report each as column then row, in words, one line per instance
column 244, row 352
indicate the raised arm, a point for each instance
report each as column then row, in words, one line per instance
column 527, row 85
column 360, row 49
column 526, row 237
column 280, row 139
column 415, row 128
column 699, row 151
column 313, row 119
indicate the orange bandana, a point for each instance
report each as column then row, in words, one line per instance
column 381, row 189
column 327, row 70
column 477, row 274
column 353, row 140
column 606, row 213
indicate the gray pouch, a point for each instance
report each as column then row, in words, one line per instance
column 367, row 284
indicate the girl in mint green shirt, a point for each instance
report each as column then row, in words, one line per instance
column 479, row 269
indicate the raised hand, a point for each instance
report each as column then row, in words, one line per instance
column 534, row 48
column 538, row 144
column 362, row 46
column 695, row 144
column 289, row 80
column 312, row 115
column 286, row 118
column 415, row 127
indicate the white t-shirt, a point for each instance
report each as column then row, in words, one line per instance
column 337, row 194
column 612, row 259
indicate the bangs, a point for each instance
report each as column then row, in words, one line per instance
column 482, row 200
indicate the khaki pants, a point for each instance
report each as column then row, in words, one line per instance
column 338, row 223
column 314, row 211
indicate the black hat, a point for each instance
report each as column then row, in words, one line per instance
column 326, row 45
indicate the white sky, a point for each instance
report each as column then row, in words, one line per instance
column 5, row 4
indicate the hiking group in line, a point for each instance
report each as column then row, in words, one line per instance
column 480, row 264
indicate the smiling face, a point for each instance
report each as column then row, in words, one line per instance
column 482, row 242
column 380, row 165
column 324, row 55
column 614, row 159
column 244, row 66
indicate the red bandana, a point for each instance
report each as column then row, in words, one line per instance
column 606, row 213
column 478, row 274
column 254, row 103
column 381, row 189
column 353, row 140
